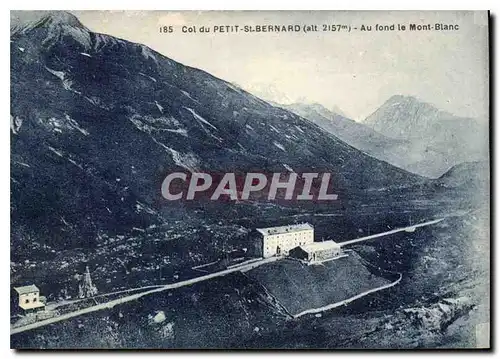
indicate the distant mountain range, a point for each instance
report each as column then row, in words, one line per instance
column 97, row 122
column 407, row 133
column 354, row 133
column 446, row 139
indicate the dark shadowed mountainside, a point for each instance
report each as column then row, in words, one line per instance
column 97, row 122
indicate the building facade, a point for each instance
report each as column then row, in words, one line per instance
column 279, row 240
column 29, row 298
column 317, row 251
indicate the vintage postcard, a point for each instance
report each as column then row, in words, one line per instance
column 250, row 180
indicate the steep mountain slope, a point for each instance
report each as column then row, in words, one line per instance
column 423, row 140
column 356, row 134
column 97, row 122
column 440, row 139
column 405, row 117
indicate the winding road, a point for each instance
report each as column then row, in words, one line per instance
column 242, row 267
column 112, row 303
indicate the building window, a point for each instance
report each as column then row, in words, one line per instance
column 26, row 301
column 34, row 300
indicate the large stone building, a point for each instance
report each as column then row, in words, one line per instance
column 279, row 240
column 317, row 251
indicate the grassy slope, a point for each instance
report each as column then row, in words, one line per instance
column 300, row 287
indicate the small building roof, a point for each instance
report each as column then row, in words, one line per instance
column 27, row 289
column 318, row 246
column 285, row 229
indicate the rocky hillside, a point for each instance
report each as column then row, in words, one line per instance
column 437, row 139
column 441, row 302
column 97, row 122
column 406, row 133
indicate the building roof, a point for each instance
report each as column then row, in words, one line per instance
column 27, row 289
column 285, row 229
column 318, row 246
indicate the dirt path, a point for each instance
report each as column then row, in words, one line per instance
column 132, row 297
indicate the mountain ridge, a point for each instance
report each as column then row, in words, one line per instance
column 467, row 175
column 25, row 21
column 420, row 117
column 97, row 122
column 406, row 133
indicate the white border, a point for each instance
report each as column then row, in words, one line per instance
column 191, row 5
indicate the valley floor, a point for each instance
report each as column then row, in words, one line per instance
column 252, row 311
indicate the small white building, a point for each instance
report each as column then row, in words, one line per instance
column 317, row 251
column 29, row 298
column 279, row 240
